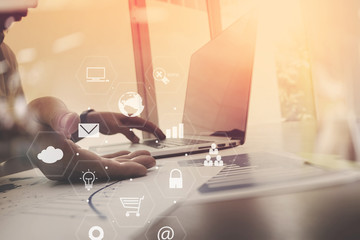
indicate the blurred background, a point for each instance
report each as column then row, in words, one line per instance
column 59, row 38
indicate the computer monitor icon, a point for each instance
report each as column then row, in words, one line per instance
column 96, row 74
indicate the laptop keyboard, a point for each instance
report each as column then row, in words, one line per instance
column 177, row 142
column 258, row 170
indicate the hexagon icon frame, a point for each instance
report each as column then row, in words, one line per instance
column 173, row 195
column 101, row 85
column 189, row 124
column 118, row 221
column 155, row 222
column 84, row 171
column 112, row 103
column 202, row 156
column 163, row 84
column 102, row 124
column 105, row 235
column 58, row 164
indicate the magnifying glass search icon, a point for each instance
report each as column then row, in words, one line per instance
column 159, row 74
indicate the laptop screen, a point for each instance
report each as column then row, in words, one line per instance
column 217, row 97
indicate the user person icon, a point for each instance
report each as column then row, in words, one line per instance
column 219, row 162
column 208, row 162
column 213, row 150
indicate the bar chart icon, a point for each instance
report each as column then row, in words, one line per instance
column 175, row 132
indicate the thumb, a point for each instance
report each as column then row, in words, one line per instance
column 54, row 113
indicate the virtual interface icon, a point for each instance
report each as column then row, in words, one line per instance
column 96, row 74
column 50, row 155
column 96, row 229
column 88, row 178
column 218, row 162
column 133, row 204
column 208, row 162
column 175, row 132
column 88, row 130
column 213, row 151
column 159, row 74
column 175, row 181
column 166, row 233
column 130, row 104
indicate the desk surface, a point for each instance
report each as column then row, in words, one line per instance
column 44, row 209
column 322, row 214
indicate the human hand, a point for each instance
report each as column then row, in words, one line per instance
column 50, row 114
column 113, row 123
column 120, row 165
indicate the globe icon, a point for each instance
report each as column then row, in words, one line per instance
column 130, row 104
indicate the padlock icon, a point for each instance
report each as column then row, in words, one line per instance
column 175, row 182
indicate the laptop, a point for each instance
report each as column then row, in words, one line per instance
column 217, row 96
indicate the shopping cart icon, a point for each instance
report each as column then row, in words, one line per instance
column 132, row 203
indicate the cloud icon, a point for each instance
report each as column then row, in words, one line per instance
column 50, row 155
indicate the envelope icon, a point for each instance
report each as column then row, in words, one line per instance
column 88, row 130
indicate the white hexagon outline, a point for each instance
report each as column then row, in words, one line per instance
column 162, row 217
column 176, row 197
column 84, row 160
column 149, row 74
column 193, row 158
column 103, row 122
column 35, row 167
column 90, row 215
column 187, row 155
column 115, row 93
column 189, row 137
column 111, row 86
column 193, row 136
column 149, row 213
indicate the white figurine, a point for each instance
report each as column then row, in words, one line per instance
column 218, row 161
column 213, row 150
column 208, row 162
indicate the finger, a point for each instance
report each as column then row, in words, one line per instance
column 134, row 154
column 114, row 170
column 144, row 125
column 53, row 112
column 117, row 154
column 130, row 135
column 157, row 132
column 145, row 160
column 124, row 170
column 139, row 153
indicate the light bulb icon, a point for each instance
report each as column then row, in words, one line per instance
column 88, row 178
